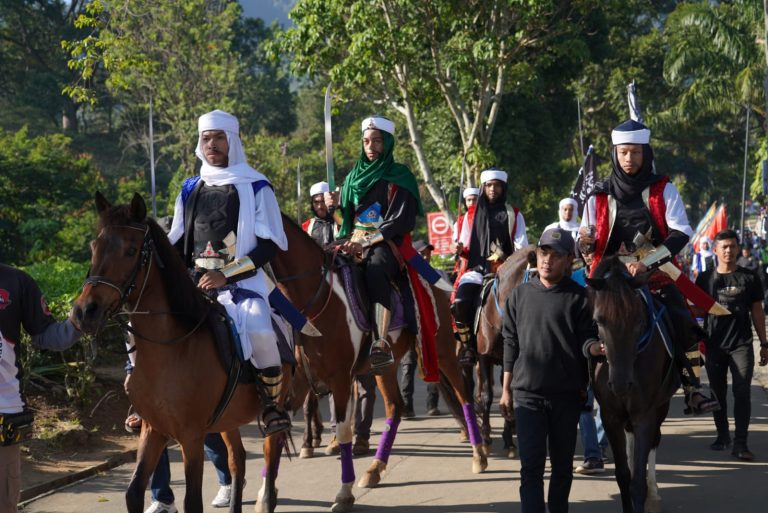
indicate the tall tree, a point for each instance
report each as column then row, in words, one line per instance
column 177, row 53
column 411, row 56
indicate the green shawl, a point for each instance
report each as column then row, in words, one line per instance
column 366, row 174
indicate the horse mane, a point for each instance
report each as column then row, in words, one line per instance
column 615, row 300
column 183, row 296
column 289, row 223
column 512, row 264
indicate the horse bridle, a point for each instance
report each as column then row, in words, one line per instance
column 325, row 269
column 125, row 290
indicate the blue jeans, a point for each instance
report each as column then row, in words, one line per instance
column 591, row 428
column 215, row 450
column 541, row 423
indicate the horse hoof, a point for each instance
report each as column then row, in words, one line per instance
column 511, row 452
column 372, row 476
column 317, row 442
column 479, row 464
column 307, row 452
column 261, row 507
column 342, row 505
column 653, row 505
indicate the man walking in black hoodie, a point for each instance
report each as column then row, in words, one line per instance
column 546, row 323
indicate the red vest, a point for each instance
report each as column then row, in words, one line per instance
column 656, row 206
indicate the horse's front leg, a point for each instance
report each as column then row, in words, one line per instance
column 614, row 430
column 273, row 449
column 236, row 460
column 151, row 445
column 486, row 373
column 310, row 419
column 345, row 420
column 192, row 450
column 394, row 405
column 645, row 442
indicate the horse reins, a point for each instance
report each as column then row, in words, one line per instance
column 325, row 270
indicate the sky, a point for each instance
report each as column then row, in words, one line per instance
column 268, row 10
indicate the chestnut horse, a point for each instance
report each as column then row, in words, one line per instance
column 307, row 276
column 177, row 383
column 634, row 386
column 490, row 344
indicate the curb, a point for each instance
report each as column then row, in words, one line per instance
column 35, row 492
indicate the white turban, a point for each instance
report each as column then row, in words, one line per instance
column 318, row 188
column 493, row 174
column 569, row 201
column 378, row 123
column 237, row 169
column 471, row 191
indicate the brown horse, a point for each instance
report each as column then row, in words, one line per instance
column 489, row 341
column 176, row 384
column 634, row 385
column 307, row 277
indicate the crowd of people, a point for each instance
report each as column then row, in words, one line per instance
column 227, row 226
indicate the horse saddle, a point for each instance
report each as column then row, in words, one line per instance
column 356, row 291
column 488, row 289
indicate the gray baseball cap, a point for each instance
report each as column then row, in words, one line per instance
column 558, row 239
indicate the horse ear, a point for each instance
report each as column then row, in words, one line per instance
column 596, row 283
column 101, row 202
column 138, row 208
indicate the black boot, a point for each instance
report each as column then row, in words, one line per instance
column 274, row 417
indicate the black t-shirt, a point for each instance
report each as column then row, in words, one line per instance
column 736, row 291
column 21, row 304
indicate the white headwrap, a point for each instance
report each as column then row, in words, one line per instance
column 318, row 188
column 471, row 191
column 378, row 123
column 493, row 174
column 572, row 225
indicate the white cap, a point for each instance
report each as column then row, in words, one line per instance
column 378, row 123
column 631, row 132
column 470, row 191
column 318, row 188
column 218, row 120
column 493, row 174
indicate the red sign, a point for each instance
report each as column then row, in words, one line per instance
column 440, row 233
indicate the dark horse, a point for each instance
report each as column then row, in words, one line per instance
column 633, row 386
column 489, row 341
column 307, row 276
column 176, row 384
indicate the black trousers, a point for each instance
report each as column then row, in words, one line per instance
column 466, row 302
column 741, row 363
column 381, row 269
column 543, row 423
column 408, row 369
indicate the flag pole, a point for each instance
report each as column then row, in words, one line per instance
column 152, row 159
column 744, row 178
column 298, row 192
column 581, row 133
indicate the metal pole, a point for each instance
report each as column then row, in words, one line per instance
column 298, row 192
column 152, row 158
column 581, row 133
column 744, row 181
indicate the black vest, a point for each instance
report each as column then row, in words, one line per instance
column 212, row 212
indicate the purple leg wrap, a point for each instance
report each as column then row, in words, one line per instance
column 387, row 439
column 347, row 467
column 472, row 429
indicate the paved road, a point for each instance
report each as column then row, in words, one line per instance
column 430, row 471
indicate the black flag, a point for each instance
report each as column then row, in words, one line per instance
column 585, row 182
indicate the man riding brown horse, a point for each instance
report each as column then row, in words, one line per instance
column 227, row 225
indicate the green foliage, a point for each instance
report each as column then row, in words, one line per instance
column 60, row 280
column 44, row 184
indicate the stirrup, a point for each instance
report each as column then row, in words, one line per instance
column 380, row 355
column 699, row 404
column 275, row 421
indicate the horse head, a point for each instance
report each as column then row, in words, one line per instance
column 620, row 317
column 509, row 275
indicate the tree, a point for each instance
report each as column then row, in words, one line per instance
column 412, row 56
column 34, row 65
column 177, row 53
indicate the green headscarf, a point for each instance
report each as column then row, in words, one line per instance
column 366, row 174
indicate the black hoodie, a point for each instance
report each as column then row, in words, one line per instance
column 544, row 331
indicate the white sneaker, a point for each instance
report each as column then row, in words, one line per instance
column 223, row 497
column 161, row 507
